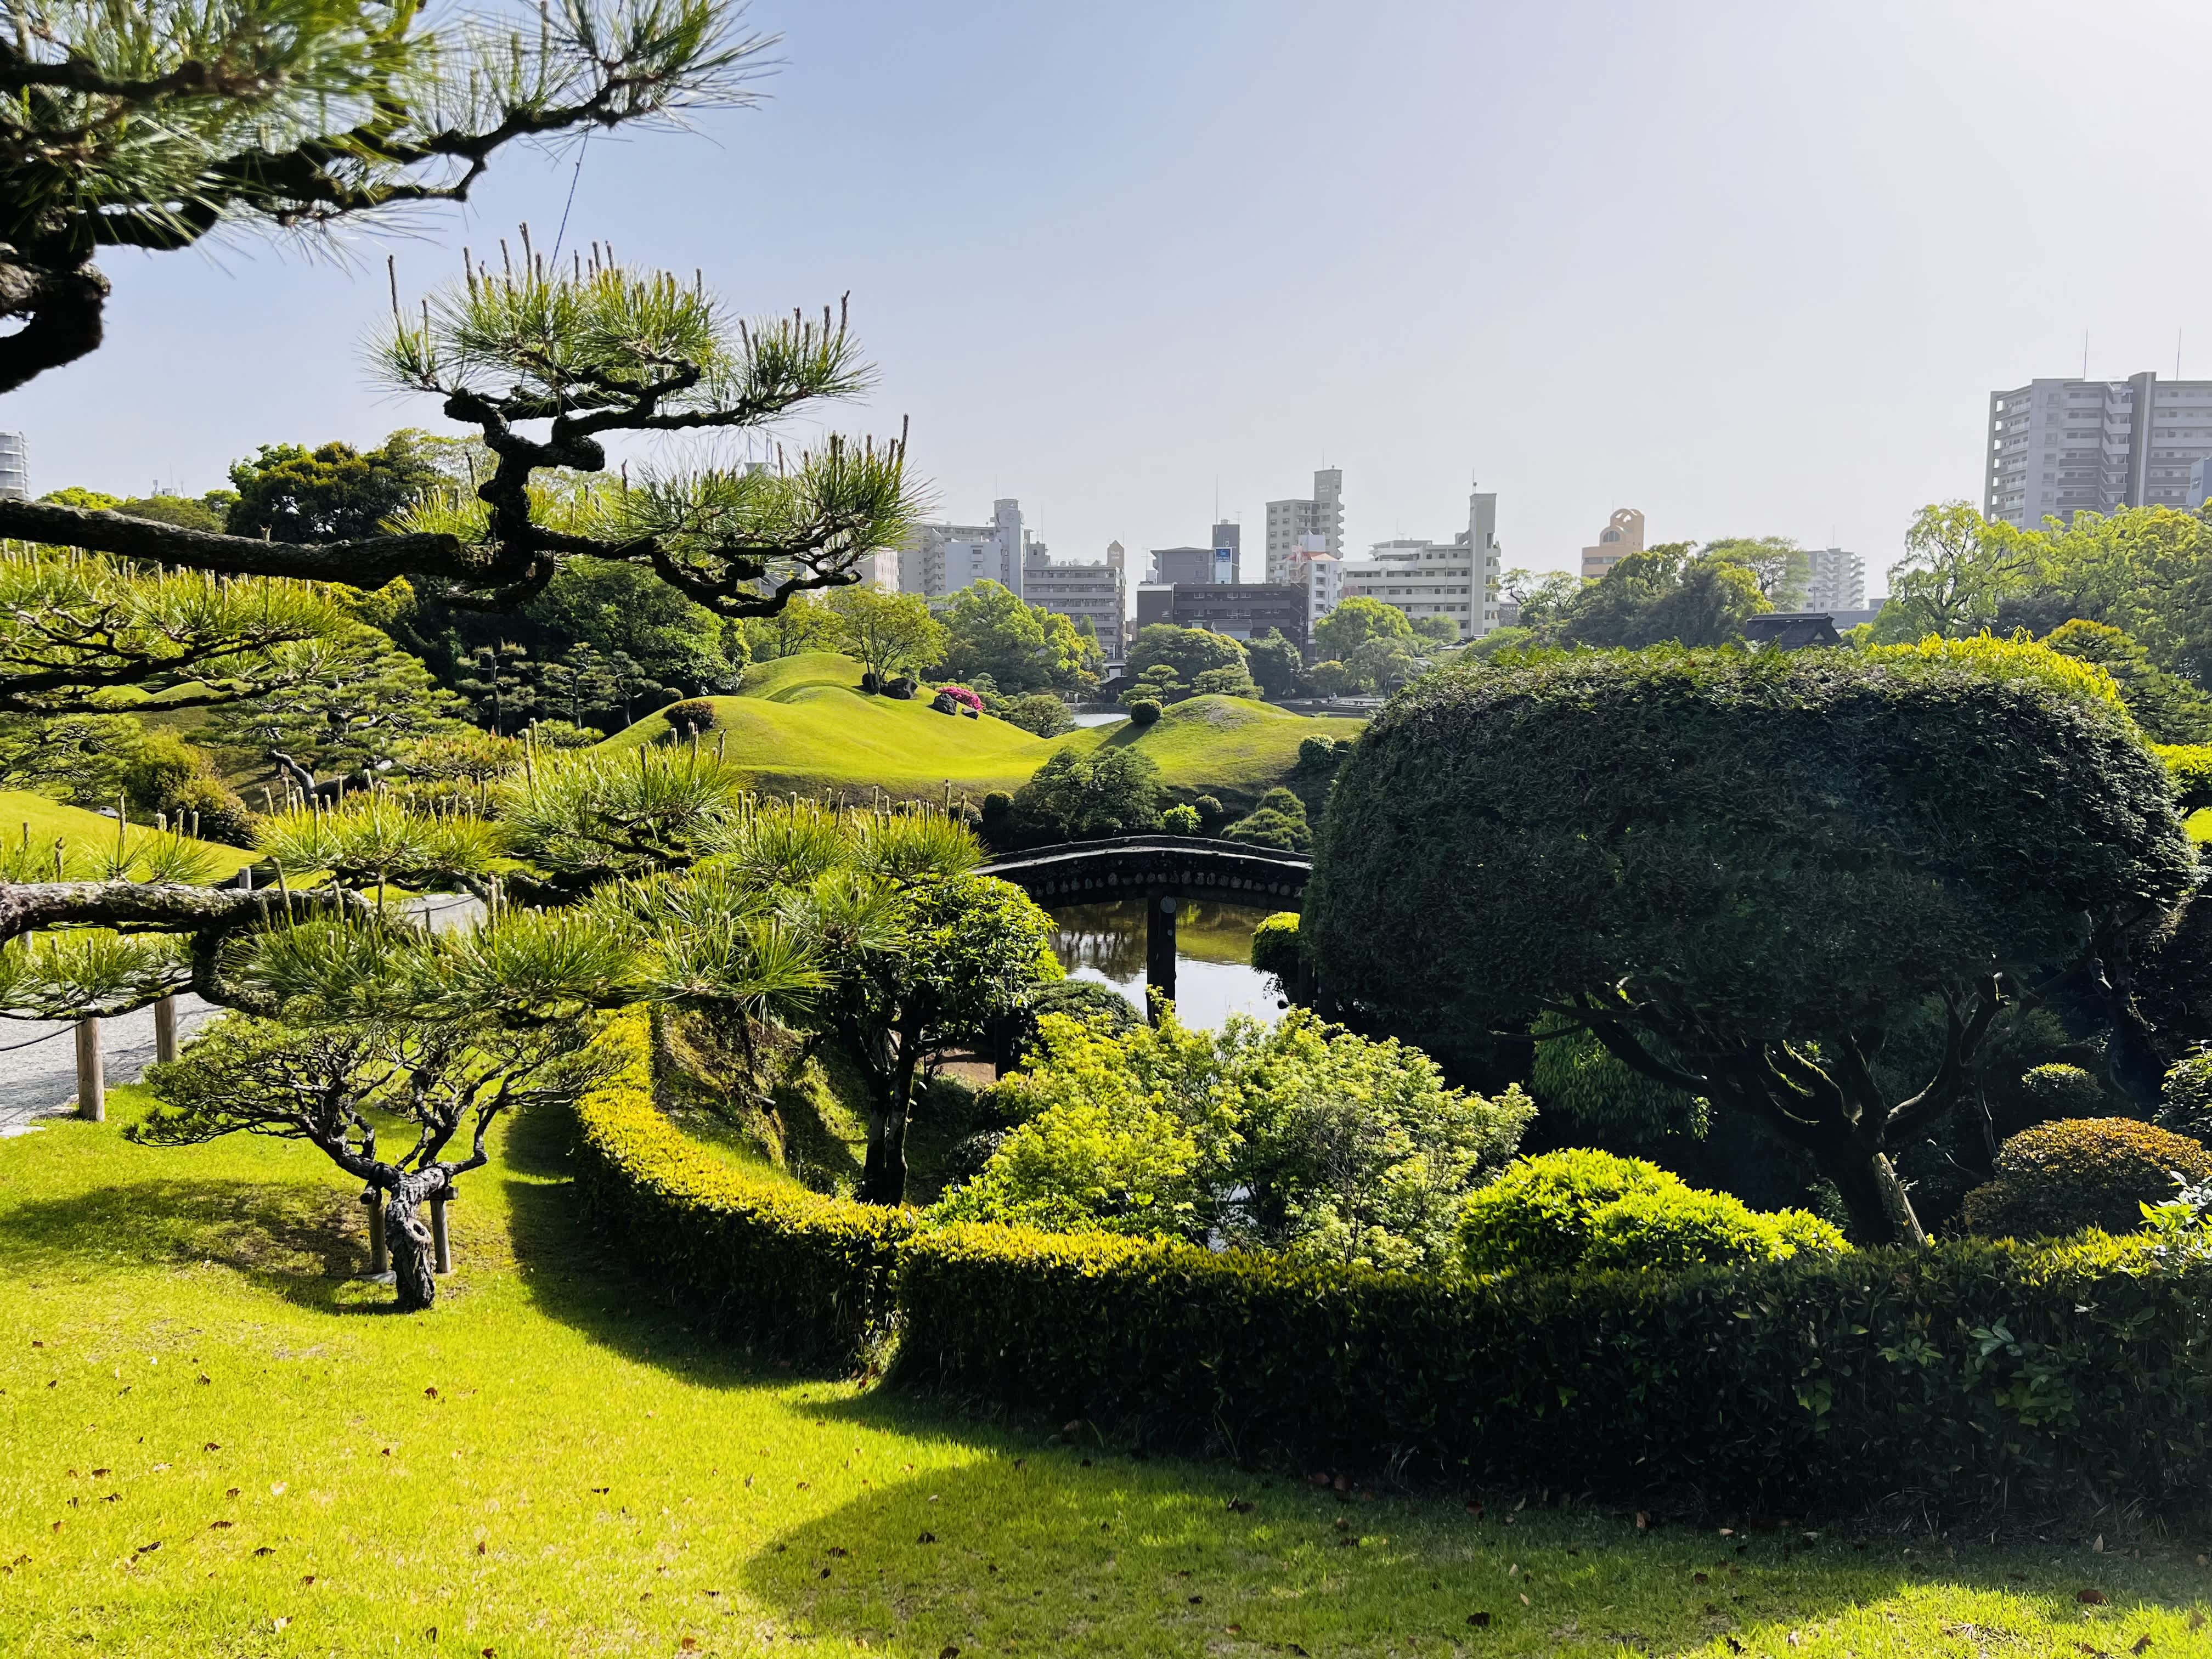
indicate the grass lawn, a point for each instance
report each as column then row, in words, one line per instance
column 212, row 1443
column 86, row 833
column 800, row 724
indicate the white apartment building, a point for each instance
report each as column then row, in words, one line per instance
column 1622, row 535
column 937, row 560
column 1097, row 593
column 1456, row 579
column 2061, row 446
column 1319, row 574
column 1289, row 523
column 1836, row 579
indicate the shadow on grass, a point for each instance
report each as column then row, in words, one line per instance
column 1057, row 1553
column 576, row 1277
column 301, row 1242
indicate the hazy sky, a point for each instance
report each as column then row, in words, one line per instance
column 1753, row 268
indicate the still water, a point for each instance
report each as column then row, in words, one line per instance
column 1214, row 977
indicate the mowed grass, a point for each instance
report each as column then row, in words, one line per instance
column 25, row 815
column 213, row 1442
column 800, row 724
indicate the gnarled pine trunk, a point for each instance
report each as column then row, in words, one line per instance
column 407, row 1234
column 883, row 1179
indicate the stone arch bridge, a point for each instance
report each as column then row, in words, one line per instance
column 1162, row 870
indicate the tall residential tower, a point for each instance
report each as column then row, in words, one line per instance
column 2059, row 448
column 1290, row 522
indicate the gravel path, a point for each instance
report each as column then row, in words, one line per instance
column 38, row 1059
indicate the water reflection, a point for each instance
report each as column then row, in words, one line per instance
column 1214, row 977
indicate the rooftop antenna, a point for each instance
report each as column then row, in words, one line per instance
column 2085, row 354
column 2177, row 354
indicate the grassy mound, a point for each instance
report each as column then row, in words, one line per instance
column 800, row 724
column 85, row 833
column 212, row 1442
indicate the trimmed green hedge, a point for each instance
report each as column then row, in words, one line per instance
column 1966, row 1375
column 800, row 1275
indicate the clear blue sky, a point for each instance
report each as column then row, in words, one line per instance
column 1751, row 267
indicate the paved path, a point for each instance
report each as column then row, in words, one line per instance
column 38, row 1059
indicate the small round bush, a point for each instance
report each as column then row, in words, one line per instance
column 1584, row 1209
column 1144, row 712
column 1537, row 1214
column 2063, row 1091
column 1672, row 1228
column 696, row 714
column 1275, row 946
column 998, row 803
column 965, row 1158
column 1180, row 820
column 2078, row 1173
column 1211, row 814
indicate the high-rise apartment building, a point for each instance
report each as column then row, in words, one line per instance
column 1456, row 579
column 2059, row 448
column 15, row 467
column 1290, row 522
column 940, row 559
column 1228, row 553
column 1095, row 594
column 1622, row 536
column 1835, row 579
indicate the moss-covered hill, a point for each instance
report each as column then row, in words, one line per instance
column 800, row 724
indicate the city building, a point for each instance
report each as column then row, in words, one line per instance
column 1228, row 553
column 1289, row 523
column 1097, row 593
column 15, row 467
column 937, row 560
column 2061, row 446
column 1836, row 579
column 1317, row 572
column 1242, row 611
column 1173, row 565
column 1621, row 537
column 1456, row 579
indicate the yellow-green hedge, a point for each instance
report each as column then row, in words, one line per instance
column 797, row 1273
column 1967, row 1376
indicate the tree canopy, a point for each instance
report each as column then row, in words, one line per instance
column 1743, row 873
column 155, row 131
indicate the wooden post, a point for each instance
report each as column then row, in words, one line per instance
column 379, row 1251
column 91, row 1075
column 442, row 1240
column 1160, row 947
column 165, row 1030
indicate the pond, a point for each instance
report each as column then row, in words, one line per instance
column 1100, row 716
column 1214, row 977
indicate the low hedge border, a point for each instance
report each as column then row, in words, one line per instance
column 1968, row 1376
column 1971, row 1375
column 802, row 1275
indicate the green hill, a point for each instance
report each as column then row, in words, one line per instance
column 24, row 815
column 799, row 725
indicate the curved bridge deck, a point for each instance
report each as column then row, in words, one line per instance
column 1141, row 867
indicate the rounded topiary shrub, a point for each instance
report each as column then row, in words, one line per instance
column 2077, row 1173
column 1144, row 712
column 1275, row 946
column 1537, row 1213
column 1180, row 820
column 1584, row 1209
column 998, row 803
column 694, row 714
column 2063, row 1091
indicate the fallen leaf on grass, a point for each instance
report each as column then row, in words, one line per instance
column 480, row 1546
column 2141, row 1644
column 280, row 1623
column 2094, row 1598
column 926, row 1538
column 1241, row 1506
column 212, row 1445
column 1524, row 1600
column 948, row 1652
column 147, row 1549
column 2195, row 1619
column 1479, row 1620
column 432, row 1393
column 688, row 1644
column 230, row 1491
column 266, row 1549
